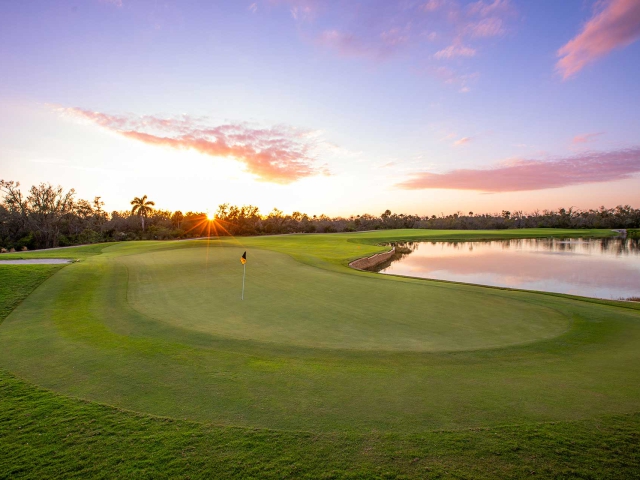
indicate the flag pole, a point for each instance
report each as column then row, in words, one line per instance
column 244, row 272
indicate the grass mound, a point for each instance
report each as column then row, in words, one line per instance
column 336, row 387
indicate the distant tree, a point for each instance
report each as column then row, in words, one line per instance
column 48, row 208
column 47, row 216
column 100, row 216
column 142, row 207
column 177, row 218
column 14, row 204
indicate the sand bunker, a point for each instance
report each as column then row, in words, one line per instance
column 36, row 261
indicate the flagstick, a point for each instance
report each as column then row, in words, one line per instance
column 244, row 272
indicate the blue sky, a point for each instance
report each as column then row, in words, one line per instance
column 325, row 106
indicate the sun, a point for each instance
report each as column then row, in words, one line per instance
column 211, row 217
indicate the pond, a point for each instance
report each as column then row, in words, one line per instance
column 592, row 267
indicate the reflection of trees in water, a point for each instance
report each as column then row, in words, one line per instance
column 621, row 246
column 608, row 245
column 406, row 247
column 402, row 249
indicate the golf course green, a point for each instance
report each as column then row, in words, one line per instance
column 315, row 346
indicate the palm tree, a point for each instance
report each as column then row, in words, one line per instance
column 142, row 207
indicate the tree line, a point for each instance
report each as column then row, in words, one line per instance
column 46, row 216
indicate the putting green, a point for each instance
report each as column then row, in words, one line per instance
column 290, row 303
column 159, row 327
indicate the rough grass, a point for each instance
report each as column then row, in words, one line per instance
column 44, row 435
column 336, row 412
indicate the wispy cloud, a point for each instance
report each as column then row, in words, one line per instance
column 253, row 8
column 336, row 150
column 521, row 175
column 487, row 27
column 455, row 51
column 345, row 43
column 432, row 30
column 117, row 3
column 49, row 161
column 278, row 154
column 586, row 138
column 388, row 165
column 300, row 10
column 462, row 141
column 615, row 24
column 448, row 136
column 451, row 77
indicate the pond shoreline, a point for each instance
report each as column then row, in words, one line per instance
column 553, row 265
column 367, row 263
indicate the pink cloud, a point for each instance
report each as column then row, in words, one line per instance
column 487, row 27
column 433, row 5
column 377, row 29
column 485, row 9
column 279, row 154
column 345, row 43
column 301, row 10
column 522, row 175
column 455, row 51
column 615, row 25
column 449, row 136
column 451, row 77
column 586, row 138
column 462, row 141
column 395, row 36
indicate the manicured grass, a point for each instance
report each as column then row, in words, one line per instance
column 66, row 252
column 342, row 371
column 17, row 282
column 291, row 304
column 44, row 435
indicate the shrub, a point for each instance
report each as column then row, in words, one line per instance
column 89, row 236
column 28, row 241
column 64, row 241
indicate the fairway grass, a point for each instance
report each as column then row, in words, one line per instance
column 317, row 348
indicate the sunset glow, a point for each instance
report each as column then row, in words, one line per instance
column 325, row 107
column 320, row 238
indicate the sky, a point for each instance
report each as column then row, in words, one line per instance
column 325, row 107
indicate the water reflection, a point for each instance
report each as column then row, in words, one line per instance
column 603, row 267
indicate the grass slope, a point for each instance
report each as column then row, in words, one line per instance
column 158, row 327
column 44, row 435
column 289, row 303
column 378, row 407
column 16, row 283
